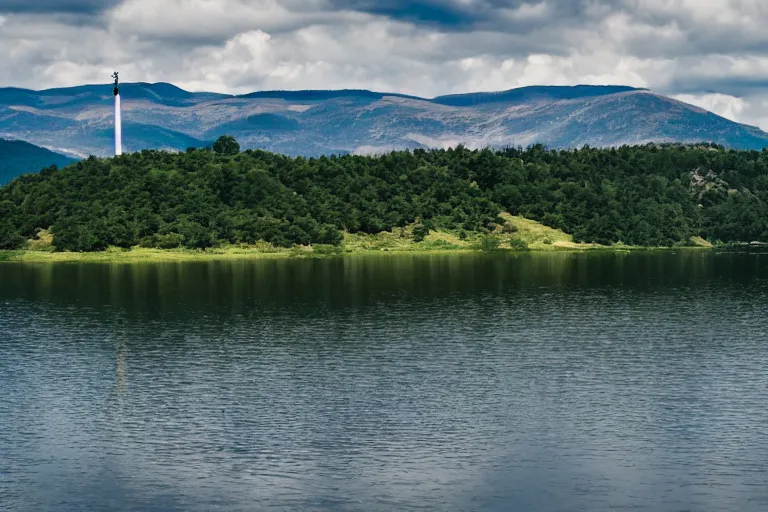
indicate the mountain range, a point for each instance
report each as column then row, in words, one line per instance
column 77, row 121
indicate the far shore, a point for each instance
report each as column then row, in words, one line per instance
column 521, row 236
column 141, row 255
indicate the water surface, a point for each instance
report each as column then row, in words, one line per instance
column 553, row 382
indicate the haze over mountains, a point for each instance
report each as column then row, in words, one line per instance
column 78, row 121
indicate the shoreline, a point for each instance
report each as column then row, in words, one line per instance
column 138, row 255
column 523, row 236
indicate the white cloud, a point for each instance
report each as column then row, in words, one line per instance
column 723, row 105
column 214, row 19
column 528, row 12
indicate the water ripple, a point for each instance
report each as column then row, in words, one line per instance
column 559, row 382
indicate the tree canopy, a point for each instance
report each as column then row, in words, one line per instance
column 226, row 145
column 655, row 195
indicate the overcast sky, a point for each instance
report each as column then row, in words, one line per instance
column 713, row 53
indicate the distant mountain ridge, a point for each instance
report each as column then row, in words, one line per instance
column 533, row 93
column 19, row 157
column 78, row 120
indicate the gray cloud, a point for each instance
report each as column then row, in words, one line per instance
column 713, row 53
column 467, row 14
column 56, row 6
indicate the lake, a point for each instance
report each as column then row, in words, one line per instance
column 546, row 382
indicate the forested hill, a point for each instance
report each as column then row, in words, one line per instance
column 18, row 157
column 648, row 195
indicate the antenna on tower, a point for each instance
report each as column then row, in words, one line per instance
column 118, row 117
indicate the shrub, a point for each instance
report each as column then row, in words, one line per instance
column 420, row 232
column 509, row 229
column 326, row 250
column 489, row 243
column 329, row 235
column 518, row 244
column 169, row 241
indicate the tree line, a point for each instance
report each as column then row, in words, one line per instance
column 652, row 195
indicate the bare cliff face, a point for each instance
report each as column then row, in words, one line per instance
column 78, row 121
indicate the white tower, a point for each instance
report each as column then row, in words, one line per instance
column 118, row 118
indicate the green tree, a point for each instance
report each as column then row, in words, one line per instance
column 639, row 195
column 226, row 145
column 9, row 236
column 420, row 232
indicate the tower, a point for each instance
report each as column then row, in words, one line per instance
column 118, row 118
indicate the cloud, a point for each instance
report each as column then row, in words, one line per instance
column 216, row 21
column 724, row 105
column 452, row 14
column 56, row 6
column 713, row 53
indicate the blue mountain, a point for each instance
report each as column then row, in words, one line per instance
column 18, row 157
column 78, row 120
column 531, row 94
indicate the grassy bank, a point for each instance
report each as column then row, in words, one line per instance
column 516, row 235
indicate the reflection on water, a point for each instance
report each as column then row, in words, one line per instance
column 452, row 382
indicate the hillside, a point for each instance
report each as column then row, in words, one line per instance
column 17, row 157
column 642, row 196
column 78, row 120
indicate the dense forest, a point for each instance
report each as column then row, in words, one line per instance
column 653, row 195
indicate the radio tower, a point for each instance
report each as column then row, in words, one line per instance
column 118, row 118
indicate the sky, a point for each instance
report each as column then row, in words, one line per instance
column 712, row 53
